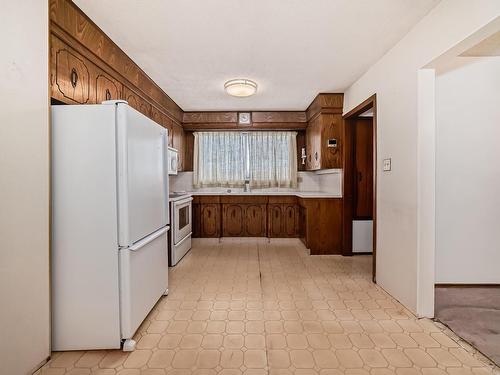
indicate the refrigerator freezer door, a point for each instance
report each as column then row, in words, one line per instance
column 143, row 279
column 84, row 249
column 142, row 176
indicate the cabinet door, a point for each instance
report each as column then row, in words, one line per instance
column 313, row 144
column 255, row 220
column 157, row 115
column 309, row 165
column 70, row 74
column 136, row 101
column 290, row 220
column 232, row 220
column 106, row 88
column 316, row 143
column 210, row 220
column 275, row 220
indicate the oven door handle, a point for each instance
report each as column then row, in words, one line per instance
column 183, row 202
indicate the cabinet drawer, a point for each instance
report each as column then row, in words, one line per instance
column 244, row 199
column 282, row 199
column 206, row 199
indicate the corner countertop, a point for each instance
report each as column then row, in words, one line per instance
column 300, row 194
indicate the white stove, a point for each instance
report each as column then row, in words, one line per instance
column 181, row 227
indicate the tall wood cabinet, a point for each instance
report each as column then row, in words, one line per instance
column 324, row 132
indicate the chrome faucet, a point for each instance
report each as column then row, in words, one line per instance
column 246, row 187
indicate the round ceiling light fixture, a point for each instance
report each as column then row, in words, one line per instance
column 240, row 87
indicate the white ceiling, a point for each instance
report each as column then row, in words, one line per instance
column 294, row 49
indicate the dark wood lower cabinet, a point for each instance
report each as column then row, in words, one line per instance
column 316, row 221
column 321, row 225
column 255, row 220
column 206, row 217
column 275, row 220
column 232, row 218
column 283, row 217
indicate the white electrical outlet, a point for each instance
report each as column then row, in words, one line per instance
column 387, row 165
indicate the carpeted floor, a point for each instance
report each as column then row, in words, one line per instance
column 474, row 315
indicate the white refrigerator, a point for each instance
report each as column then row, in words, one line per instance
column 109, row 224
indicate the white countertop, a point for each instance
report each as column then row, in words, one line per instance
column 300, row 194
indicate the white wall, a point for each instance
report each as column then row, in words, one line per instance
column 329, row 181
column 394, row 79
column 468, row 172
column 24, row 187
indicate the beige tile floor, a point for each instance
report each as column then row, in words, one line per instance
column 252, row 307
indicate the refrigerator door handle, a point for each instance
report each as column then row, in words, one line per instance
column 138, row 245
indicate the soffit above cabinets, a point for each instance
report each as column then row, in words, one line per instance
column 488, row 47
column 293, row 49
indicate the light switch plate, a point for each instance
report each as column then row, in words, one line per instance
column 387, row 165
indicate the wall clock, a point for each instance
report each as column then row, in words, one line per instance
column 244, row 118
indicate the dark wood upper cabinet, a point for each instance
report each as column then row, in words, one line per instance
column 70, row 74
column 106, row 88
column 136, row 101
column 178, row 143
column 324, row 125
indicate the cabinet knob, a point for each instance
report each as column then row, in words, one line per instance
column 108, row 95
column 73, row 77
column 316, row 155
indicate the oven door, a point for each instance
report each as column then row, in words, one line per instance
column 182, row 219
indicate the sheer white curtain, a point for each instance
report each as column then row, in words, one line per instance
column 273, row 159
column 219, row 159
column 227, row 159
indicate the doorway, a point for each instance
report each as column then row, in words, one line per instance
column 359, row 182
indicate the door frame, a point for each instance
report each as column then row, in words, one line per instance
column 348, row 178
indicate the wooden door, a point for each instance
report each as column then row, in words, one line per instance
column 233, row 220
column 209, row 220
column 290, row 220
column 106, row 88
column 70, row 74
column 255, row 220
column 363, row 165
column 275, row 220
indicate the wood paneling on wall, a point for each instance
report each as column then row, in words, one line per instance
column 279, row 120
column 86, row 41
